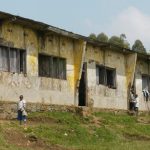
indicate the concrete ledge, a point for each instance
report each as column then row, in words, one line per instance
column 8, row 110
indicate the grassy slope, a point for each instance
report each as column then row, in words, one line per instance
column 103, row 130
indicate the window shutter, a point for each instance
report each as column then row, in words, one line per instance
column 5, row 60
column 102, row 75
column 1, row 58
column 62, row 68
column 50, row 66
column 97, row 74
column 145, row 83
column 13, row 60
column 22, row 61
column 55, row 68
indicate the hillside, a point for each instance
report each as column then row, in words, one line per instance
column 69, row 131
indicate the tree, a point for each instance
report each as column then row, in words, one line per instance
column 92, row 36
column 102, row 37
column 123, row 38
column 116, row 40
column 120, row 41
column 138, row 46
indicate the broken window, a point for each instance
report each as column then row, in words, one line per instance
column 100, row 74
column 56, row 67
column 145, row 82
column 4, row 59
column 12, row 60
column 111, row 77
column 53, row 67
column 22, row 60
column 106, row 76
column 44, row 64
column 62, row 68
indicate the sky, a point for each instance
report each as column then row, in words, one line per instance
column 113, row 17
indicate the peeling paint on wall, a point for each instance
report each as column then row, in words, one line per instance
column 101, row 95
column 55, row 45
column 76, row 52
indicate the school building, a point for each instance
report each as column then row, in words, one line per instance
column 53, row 66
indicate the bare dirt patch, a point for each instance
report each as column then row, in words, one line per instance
column 96, row 121
column 28, row 141
column 143, row 120
column 136, row 137
column 41, row 119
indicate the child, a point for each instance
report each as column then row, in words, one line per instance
column 132, row 100
column 136, row 104
column 21, row 110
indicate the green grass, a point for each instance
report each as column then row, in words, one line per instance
column 110, row 132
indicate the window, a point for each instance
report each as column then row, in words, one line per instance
column 53, row 67
column 145, row 82
column 4, row 55
column 22, row 61
column 106, row 76
column 12, row 60
column 100, row 71
column 111, row 77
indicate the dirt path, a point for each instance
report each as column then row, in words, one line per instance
column 28, row 141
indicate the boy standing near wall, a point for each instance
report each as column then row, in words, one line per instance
column 22, row 114
column 136, row 104
column 132, row 100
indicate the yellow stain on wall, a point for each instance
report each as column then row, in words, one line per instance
column 70, row 79
column 13, row 33
column 130, row 68
column 77, row 61
column 27, row 38
column 32, row 63
column 94, row 53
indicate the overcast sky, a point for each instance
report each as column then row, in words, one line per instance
column 131, row 17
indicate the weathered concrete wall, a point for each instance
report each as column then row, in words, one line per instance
column 100, row 95
column 8, row 110
column 142, row 67
column 131, row 60
column 34, row 88
column 79, row 59
column 65, row 92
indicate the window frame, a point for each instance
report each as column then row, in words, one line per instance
column 148, row 77
column 114, row 77
column 104, row 80
column 52, row 74
column 18, row 52
column 98, row 71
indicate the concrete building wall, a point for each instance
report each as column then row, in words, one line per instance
column 33, row 87
column 142, row 67
column 100, row 95
column 65, row 92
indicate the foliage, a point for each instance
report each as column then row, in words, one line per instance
column 138, row 46
column 102, row 37
column 117, row 40
column 120, row 41
column 92, row 36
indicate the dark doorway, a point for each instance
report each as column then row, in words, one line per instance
column 82, row 86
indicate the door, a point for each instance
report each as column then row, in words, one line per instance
column 83, row 86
